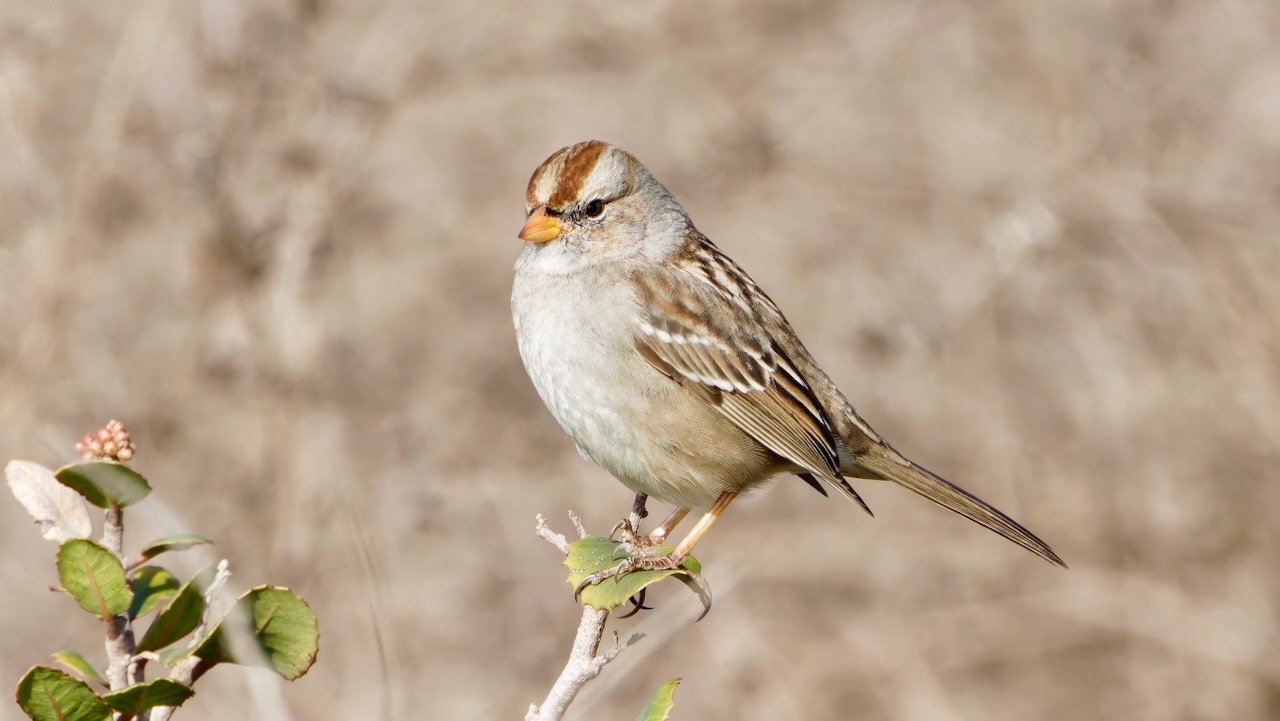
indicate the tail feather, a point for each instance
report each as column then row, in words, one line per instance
column 843, row 486
column 839, row 484
column 885, row 462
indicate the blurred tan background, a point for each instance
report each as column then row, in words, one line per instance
column 1037, row 244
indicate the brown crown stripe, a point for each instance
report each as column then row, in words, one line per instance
column 579, row 160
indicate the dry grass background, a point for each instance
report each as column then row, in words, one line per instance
column 1037, row 243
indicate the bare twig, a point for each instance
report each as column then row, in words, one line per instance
column 577, row 524
column 120, row 644
column 113, row 530
column 584, row 664
column 585, row 661
column 193, row 667
column 551, row 536
column 120, row 647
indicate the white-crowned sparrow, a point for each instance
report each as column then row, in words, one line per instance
column 670, row 368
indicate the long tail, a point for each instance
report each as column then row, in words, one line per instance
column 887, row 463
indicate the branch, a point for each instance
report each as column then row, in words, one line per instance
column 120, row 643
column 551, row 536
column 584, row 661
column 120, row 647
column 193, row 667
column 113, row 530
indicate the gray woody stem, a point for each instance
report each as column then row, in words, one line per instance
column 120, row 642
column 584, row 662
column 193, row 667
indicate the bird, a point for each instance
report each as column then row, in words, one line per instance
column 670, row 368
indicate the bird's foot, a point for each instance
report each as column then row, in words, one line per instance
column 627, row 532
column 666, row 562
column 630, row 526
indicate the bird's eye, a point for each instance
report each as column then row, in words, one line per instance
column 594, row 209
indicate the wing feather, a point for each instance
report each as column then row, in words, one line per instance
column 690, row 333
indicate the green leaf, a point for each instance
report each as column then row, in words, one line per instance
column 696, row 583
column 101, row 482
column 593, row 554
column 180, row 542
column 151, row 585
column 181, row 616
column 659, row 707
column 283, row 633
column 74, row 661
column 94, row 577
column 139, row 697
column 47, row 694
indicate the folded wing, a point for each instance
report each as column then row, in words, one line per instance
column 717, row 348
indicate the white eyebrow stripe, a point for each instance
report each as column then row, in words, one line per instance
column 606, row 177
column 548, row 181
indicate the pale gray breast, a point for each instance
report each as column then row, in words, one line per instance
column 574, row 333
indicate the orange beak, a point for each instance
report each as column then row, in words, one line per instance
column 540, row 227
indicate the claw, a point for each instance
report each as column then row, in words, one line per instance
column 637, row 604
column 628, row 532
column 624, row 525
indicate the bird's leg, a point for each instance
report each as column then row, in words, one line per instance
column 668, row 561
column 640, row 542
column 629, row 527
column 638, row 511
column 659, row 534
column 685, row 547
